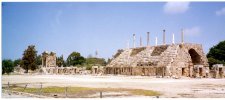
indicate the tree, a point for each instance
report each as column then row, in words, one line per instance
column 108, row 61
column 7, row 66
column 75, row 59
column 95, row 61
column 59, row 61
column 64, row 63
column 29, row 59
column 216, row 54
column 17, row 62
column 39, row 60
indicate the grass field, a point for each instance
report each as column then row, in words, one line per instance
column 84, row 92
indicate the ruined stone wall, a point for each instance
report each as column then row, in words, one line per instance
column 183, row 65
column 63, row 70
column 198, row 48
column 181, row 60
column 218, row 71
column 167, row 60
column 49, row 59
column 97, row 70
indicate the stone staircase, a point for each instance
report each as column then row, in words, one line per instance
column 145, row 56
column 167, row 57
column 122, row 59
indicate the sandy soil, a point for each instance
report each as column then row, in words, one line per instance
column 173, row 88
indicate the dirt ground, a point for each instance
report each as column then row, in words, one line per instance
column 170, row 88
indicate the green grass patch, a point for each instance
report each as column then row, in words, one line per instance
column 145, row 92
column 53, row 89
column 28, row 90
column 83, row 91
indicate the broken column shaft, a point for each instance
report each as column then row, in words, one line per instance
column 164, row 37
column 173, row 39
column 182, row 36
column 140, row 42
column 148, row 38
column 133, row 40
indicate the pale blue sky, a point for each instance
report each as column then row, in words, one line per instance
column 106, row 27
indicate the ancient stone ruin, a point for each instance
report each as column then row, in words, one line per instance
column 163, row 60
column 72, row 70
column 166, row 60
column 48, row 59
column 218, row 71
column 49, row 67
column 171, row 60
column 97, row 70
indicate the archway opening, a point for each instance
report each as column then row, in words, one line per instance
column 220, row 72
column 95, row 70
column 182, row 71
column 195, row 57
column 200, row 71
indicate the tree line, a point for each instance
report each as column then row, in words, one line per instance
column 30, row 61
column 216, row 54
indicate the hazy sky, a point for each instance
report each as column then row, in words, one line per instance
column 106, row 27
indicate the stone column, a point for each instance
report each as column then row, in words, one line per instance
column 133, row 40
column 140, row 42
column 148, row 38
column 197, row 74
column 182, row 36
column 42, row 61
column 173, row 39
column 164, row 37
column 156, row 41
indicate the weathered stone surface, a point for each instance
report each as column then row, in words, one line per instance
column 218, row 71
column 63, row 70
column 48, row 59
column 164, row 60
column 97, row 69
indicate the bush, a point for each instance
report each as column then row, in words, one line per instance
column 216, row 54
column 7, row 66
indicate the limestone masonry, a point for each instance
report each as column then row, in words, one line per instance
column 163, row 60
column 48, row 59
column 170, row 60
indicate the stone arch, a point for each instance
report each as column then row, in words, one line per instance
column 195, row 57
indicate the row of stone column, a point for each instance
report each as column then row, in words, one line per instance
column 156, row 39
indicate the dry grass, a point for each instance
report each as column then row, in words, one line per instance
column 137, row 50
column 75, row 92
column 158, row 50
column 145, row 92
column 118, row 53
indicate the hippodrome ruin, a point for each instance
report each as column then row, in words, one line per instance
column 165, row 60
